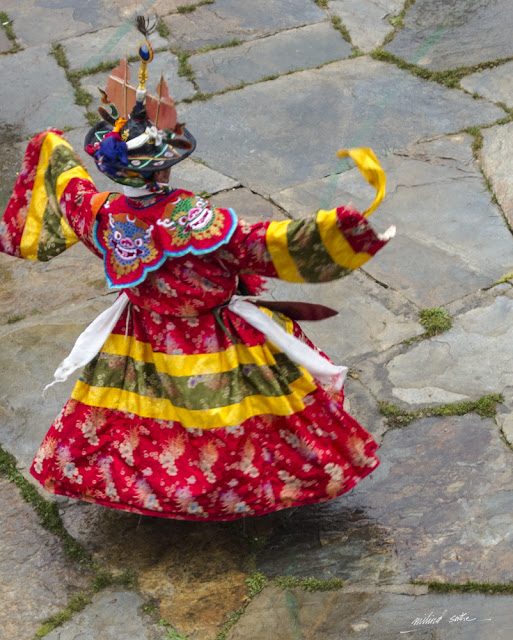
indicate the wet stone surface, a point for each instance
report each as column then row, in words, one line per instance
column 437, row 508
column 357, row 102
column 292, row 614
column 196, row 571
column 291, row 50
column 35, row 576
column 444, row 35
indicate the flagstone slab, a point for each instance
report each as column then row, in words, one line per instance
column 36, row 578
column 226, row 20
column 31, row 350
column 196, row 571
column 494, row 84
column 37, row 22
column 43, row 97
column 112, row 615
column 293, row 614
column 497, row 162
column 451, row 239
column 107, row 45
column 368, row 21
column 290, row 50
column 293, row 125
column 12, row 148
column 445, row 35
column 472, row 359
column 127, row 9
column 438, row 508
column 195, row 177
column 248, row 205
column 370, row 319
column 5, row 43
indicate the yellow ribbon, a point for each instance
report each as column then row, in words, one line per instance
column 369, row 165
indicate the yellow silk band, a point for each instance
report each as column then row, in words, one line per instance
column 368, row 164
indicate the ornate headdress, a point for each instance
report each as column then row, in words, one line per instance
column 130, row 148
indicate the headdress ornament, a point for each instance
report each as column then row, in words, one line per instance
column 139, row 133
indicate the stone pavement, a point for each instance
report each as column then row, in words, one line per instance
column 423, row 548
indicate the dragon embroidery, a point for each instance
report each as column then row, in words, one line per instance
column 129, row 241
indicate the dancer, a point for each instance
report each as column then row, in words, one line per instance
column 195, row 403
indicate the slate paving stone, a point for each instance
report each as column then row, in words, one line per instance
column 226, row 20
column 368, row 21
column 5, row 43
column 107, row 45
column 196, row 571
column 371, row 319
column 12, row 149
column 293, row 614
column 497, row 162
column 472, row 359
column 36, row 579
column 444, row 35
column 38, row 22
column 438, row 508
column 290, row 50
column 437, row 198
column 31, row 350
column 44, row 98
column 494, row 84
column 195, row 177
column 112, row 615
column 293, row 126
column 129, row 8
column 248, row 205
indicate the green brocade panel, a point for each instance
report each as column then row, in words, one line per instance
column 51, row 240
column 309, row 253
column 193, row 392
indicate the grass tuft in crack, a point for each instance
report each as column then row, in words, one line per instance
column 397, row 418
column 48, row 512
column 435, row 321
column 467, row 587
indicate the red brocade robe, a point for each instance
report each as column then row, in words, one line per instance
column 188, row 411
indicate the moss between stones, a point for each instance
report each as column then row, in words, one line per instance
column 398, row 21
column 47, row 512
column 82, row 97
column 396, row 417
column 101, row 581
column 449, row 78
column 435, row 320
column 468, row 587
column 308, row 584
column 341, row 28
column 257, row 582
column 6, row 25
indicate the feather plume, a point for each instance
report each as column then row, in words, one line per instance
column 146, row 24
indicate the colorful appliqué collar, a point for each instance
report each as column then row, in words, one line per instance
column 137, row 241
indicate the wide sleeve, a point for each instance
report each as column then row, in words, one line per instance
column 53, row 204
column 319, row 248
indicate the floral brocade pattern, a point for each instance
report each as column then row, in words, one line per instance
column 187, row 411
column 159, row 468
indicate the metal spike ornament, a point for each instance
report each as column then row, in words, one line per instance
column 145, row 53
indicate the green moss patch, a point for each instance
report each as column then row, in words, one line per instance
column 396, row 417
column 435, row 321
